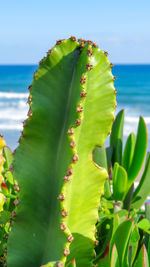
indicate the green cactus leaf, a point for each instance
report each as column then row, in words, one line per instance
column 119, row 177
column 53, row 147
column 142, row 260
column 143, row 189
column 116, row 137
column 144, row 224
column 123, row 231
column 128, row 151
column 139, row 152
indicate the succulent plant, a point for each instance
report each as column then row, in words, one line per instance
column 8, row 197
column 72, row 102
column 123, row 229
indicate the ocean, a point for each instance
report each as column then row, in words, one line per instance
column 133, row 95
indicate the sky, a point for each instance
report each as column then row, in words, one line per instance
column 29, row 28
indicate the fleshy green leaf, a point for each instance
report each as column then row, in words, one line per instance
column 9, row 177
column 128, row 151
column 142, row 260
column 120, row 239
column 109, row 151
column 8, row 157
column 144, row 224
column 139, row 152
column 133, row 244
column 143, row 189
column 116, row 137
column 119, row 177
column 114, row 257
column 100, row 157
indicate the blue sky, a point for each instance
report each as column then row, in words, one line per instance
column 29, row 28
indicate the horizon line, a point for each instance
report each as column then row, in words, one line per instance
column 36, row 64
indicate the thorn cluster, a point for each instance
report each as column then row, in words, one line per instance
column 73, row 38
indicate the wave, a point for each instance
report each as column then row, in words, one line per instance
column 12, row 126
column 136, row 119
column 11, row 95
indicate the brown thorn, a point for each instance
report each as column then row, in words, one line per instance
column 62, row 226
column 25, row 123
column 59, row 41
column 78, row 122
column 82, row 80
column 89, row 42
column 95, row 45
column 30, row 87
column 16, row 202
column 30, row 113
column 66, row 252
column 114, row 78
column 49, row 52
column 70, row 131
column 89, row 67
column 90, row 52
column 79, row 109
column 61, row 197
column 106, row 53
column 69, row 171
column 115, row 105
column 96, row 242
column 82, row 44
column 66, row 179
column 34, row 74
column 83, row 94
column 41, row 61
column 111, row 65
column 29, row 100
column 19, row 139
column 80, row 40
column 70, row 238
column 16, row 187
column 13, row 214
column 11, row 168
column 115, row 92
column 13, row 153
column 75, row 157
column 73, row 38
column 64, row 213
column 72, row 143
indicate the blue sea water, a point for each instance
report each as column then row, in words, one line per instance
column 132, row 85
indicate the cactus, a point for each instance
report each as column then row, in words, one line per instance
column 72, row 102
